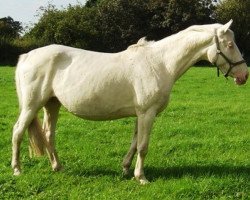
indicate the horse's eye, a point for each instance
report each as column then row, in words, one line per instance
column 230, row 44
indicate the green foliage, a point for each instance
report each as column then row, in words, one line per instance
column 91, row 3
column 11, row 49
column 237, row 10
column 171, row 16
column 112, row 25
column 45, row 29
column 180, row 15
column 9, row 29
column 199, row 148
column 6, row 49
column 72, row 26
column 9, row 32
column 121, row 22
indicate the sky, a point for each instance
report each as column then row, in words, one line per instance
column 25, row 10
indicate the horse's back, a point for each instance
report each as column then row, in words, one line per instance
column 44, row 57
column 59, row 63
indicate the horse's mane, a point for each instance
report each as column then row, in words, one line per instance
column 141, row 43
column 196, row 28
column 201, row 28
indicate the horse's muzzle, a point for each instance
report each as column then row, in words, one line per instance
column 242, row 78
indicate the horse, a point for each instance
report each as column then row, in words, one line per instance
column 136, row 82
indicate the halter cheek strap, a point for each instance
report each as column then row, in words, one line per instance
column 219, row 52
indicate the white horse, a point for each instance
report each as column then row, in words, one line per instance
column 103, row 86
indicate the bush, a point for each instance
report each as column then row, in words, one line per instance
column 8, row 52
column 11, row 49
column 112, row 25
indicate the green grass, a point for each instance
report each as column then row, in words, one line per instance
column 199, row 148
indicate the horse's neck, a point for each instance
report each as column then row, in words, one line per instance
column 182, row 50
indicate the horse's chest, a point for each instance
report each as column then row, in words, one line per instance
column 153, row 93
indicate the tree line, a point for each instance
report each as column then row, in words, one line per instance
column 112, row 25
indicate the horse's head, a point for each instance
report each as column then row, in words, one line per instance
column 225, row 54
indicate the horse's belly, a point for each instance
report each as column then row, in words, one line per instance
column 97, row 110
column 99, row 116
column 105, row 105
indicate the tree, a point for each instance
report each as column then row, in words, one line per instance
column 9, row 29
column 72, row 26
column 46, row 27
column 171, row 16
column 121, row 23
column 9, row 32
column 91, row 3
column 112, row 25
column 237, row 10
column 180, row 14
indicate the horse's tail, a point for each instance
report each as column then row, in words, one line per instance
column 36, row 138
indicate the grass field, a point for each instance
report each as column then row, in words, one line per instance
column 199, row 148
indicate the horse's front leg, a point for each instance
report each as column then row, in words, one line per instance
column 127, row 161
column 145, row 122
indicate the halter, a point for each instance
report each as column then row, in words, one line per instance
column 231, row 64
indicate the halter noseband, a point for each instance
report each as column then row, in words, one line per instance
column 219, row 52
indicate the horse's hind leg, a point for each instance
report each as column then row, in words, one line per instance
column 25, row 118
column 127, row 161
column 51, row 110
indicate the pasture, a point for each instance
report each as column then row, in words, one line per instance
column 199, row 148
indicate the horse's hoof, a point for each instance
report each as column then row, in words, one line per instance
column 142, row 181
column 57, row 168
column 17, row 172
column 125, row 172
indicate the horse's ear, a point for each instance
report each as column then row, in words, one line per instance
column 224, row 28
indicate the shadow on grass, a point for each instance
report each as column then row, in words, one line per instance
column 153, row 173
column 196, row 171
